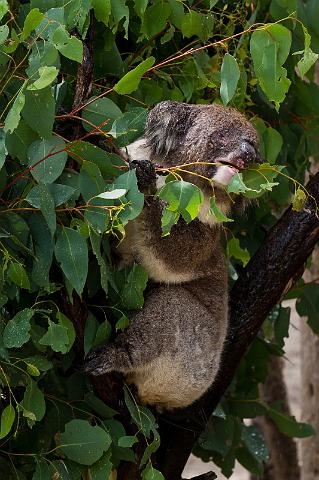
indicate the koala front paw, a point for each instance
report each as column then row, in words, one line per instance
column 97, row 362
column 145, row 174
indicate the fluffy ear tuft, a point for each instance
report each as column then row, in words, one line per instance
column 166, row 126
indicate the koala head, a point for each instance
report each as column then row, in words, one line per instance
column 179, row 133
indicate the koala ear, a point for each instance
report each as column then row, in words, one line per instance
column 166, row 126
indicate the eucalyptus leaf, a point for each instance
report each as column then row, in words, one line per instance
column 7, row 419
column 230, row 75
column 17, row 330
column 72, row 254
column 130, row 82
column 47, row 159
column 83, row 443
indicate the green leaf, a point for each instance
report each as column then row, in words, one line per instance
column 106, row 162
column 43, row 54
column 46, row 76
column 150, row 473
column 13, row 118
column 101, row 470
column 56, row 337
column 183, row 198
column 65, row 322
column 289, row 426
column 113, row 194
column 281, row 326
column 31, row 22
column 142, row 416
column 91, row 185
column 33, row 401
column 135, row 284
column 18, row 275
column 32, row 370
column 255, row 442
column 102, row 10
column 273, row 143
column 168, row 220
column 39, row 362
column 91, row 181
column 230, row 75
column 309, row 57
column 7, row 419
column 72, row 254
column 151, row 448
column 47, row 207
column 96, row 247
column 4, row 33
column 97, row 112
column 18, row 142
column 127, row 441
column 216, row 212
column 248, row 460
column 4, row 8
column 83, row 443
column 269, row 48
column 254, row 182
column 308, row 305
column 191, row 24
column 122, row 323
column 130, row 82
column 140, row 7
column 299, row 200
column 103, row 333
column 129, row 127
column 60, row 194
column 155, row 18
column 119, row 11
column 133, row 196
column 195, row 23
column 47, row 159
column 39, row 111
column 234, row 250
column 90, row 330
column 69, row 46
column 43, row 246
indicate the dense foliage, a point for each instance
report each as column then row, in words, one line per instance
column 66, row 196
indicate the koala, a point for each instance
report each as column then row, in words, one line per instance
column 172, row 350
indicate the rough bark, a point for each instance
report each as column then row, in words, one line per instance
column 310, row 389
column 278, row 262
column 283, row 462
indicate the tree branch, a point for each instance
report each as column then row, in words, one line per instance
column 255, row 293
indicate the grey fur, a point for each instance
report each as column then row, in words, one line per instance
column 172, row 349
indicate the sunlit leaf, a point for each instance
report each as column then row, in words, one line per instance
column 130, row 82
column 7, row 419
column 32, row 20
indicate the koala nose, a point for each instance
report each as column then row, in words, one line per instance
column 247, row 151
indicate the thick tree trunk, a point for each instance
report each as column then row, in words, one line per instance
column 310, row 389
column 283, row 462
column 277, row 264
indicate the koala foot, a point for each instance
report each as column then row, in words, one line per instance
column 108, row 358
column 145, row 174
column 98, row 361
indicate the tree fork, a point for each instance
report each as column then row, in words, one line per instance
column 277, row 264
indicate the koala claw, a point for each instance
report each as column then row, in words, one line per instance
column 145, row 174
